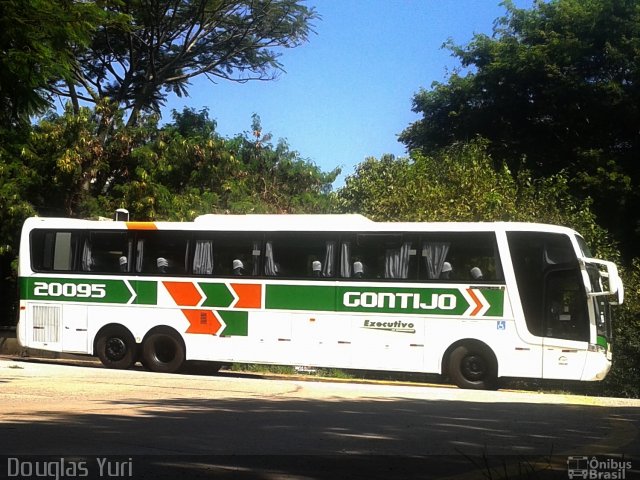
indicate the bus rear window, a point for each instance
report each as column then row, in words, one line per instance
column 53, row 251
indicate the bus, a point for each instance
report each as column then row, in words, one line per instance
column 471, row 301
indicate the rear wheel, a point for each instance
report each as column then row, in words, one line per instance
column 474, row 367
column 163, row 352
column 116, row 348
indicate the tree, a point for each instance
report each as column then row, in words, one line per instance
column 174, row 172
column 279, row 177
column 463, row 183
column 554, row 89
column 14, row 208
column 168, row 42
column 38, row 43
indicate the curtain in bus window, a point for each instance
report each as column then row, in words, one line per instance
column 434, row 254
column 345, row 260
column 329, row 255
column 203, row 258
column 269, row 263
column 396, row 261
column 139, row 254
column 87, row 258
column 255, row 271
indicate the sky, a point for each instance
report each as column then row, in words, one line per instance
column 347, row 94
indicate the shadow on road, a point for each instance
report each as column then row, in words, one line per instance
column 300, row 438
column 286, row 436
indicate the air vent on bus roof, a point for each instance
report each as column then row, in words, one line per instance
column 122, row 215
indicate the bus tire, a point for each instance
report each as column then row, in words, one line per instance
column 163, row 351
column 473, row 367
column 116, row 348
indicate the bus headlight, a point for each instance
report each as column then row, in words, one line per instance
column 596, row 348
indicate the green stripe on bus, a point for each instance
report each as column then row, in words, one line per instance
column 301, row 297
column 495, row 298
column 429, row 301
column 237, row 323
column 217, row 295
column 441, row 301
column 146, row 292
column 76, row 290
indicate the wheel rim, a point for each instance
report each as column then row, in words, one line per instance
column 474, row 367
column 115, row 349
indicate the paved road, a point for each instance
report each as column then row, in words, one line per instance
column 54, row 408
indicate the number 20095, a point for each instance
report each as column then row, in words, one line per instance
column 79, row 290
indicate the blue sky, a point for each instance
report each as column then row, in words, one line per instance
column 347, row 93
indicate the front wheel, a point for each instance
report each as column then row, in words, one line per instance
column 163, row 352
column 116, row 348
column 473, row 367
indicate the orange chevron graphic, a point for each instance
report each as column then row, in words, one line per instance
column 249, row 295
column 185, row 294
column 475, row 298
column 202, row 321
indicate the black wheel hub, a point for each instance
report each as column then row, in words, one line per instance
column 474, row 367
column 115, row 349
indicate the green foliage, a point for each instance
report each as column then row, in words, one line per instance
column 174, row 172
column 624, row 379
column 461, row 183
column 39, row 40
column 146, row 50
column 279, row 178
column 14, row 208
column 554, row 89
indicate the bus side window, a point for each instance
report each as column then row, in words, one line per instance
column 162, row 253
column 378, row 256
column 469, row 257
column 228, row 251
column 300, row 255
column 106, row 252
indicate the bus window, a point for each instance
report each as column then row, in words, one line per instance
column 162, row 253
column 227, row 254
column 301, row 255
column 378, row 256
column 53, row 251
column 106, row 252
column 469, row 257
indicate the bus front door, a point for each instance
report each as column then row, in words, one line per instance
column 566, row 325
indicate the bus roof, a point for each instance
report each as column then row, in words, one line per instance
column 292, row 223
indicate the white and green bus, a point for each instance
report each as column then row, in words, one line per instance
column 475, row 301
